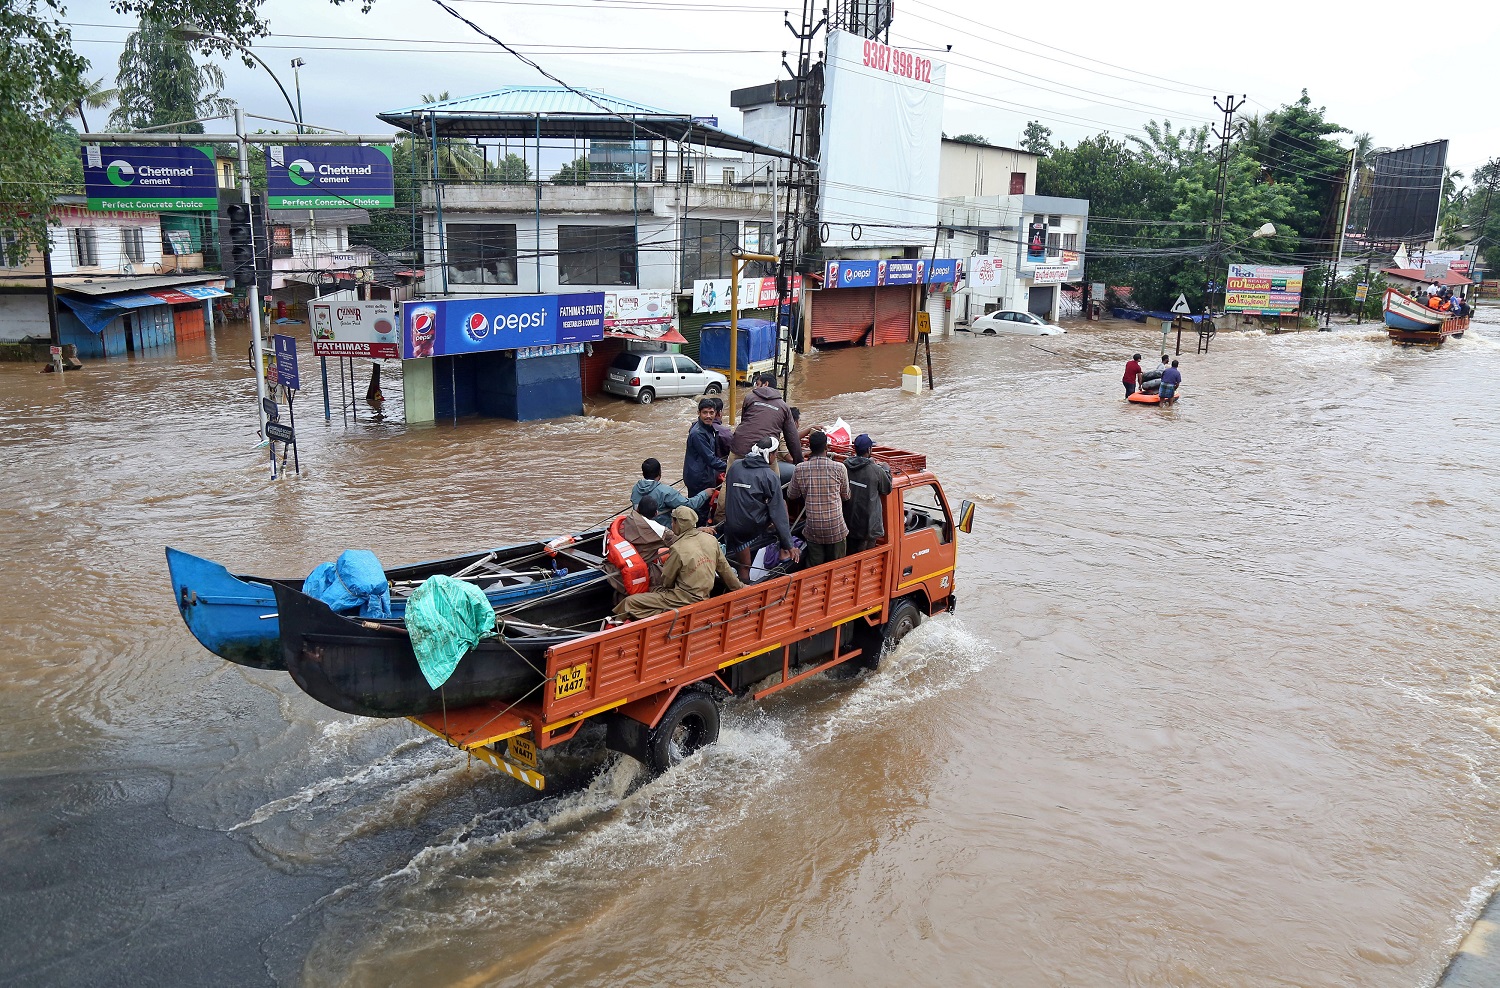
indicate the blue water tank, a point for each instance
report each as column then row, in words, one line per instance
column 757, row 342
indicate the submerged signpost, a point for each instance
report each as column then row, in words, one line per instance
column 285, row 348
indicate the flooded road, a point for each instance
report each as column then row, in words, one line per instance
column 1219, row 704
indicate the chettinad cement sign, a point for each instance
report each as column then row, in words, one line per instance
column 334, row 177
column 154, row 177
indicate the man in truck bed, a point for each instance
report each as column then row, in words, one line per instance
column 688, row 574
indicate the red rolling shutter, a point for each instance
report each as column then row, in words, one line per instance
column 841, row 315
column 596, row 364
column 893, row 314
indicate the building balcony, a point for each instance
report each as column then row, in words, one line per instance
column 601, row 198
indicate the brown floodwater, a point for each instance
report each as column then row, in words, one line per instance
column 1219, row 704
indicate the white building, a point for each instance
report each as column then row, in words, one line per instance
column 1020, row 251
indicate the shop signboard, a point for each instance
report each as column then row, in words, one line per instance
column 1262, row 288
column 156, row 177
column 447, row 327
column 356, row 329
column 712, row 294
column 903, row 272
column 853, row 274
column 944, row 270
column 330, row 177
column 1049, row 275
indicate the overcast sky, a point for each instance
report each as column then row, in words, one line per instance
column 1104, row 69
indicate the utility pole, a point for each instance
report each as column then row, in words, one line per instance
column 1338, row 257
column 1216, row 236
column 804, row 94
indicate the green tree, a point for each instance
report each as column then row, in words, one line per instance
column 575, row 172
column 1172, row 151
column 971, row 139
column 1297, row 155
column 1037, row 140
column 512, row 170
column 160, row 82
column 41, row 78
column 94, row 97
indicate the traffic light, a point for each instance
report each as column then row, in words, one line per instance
column 241, row 261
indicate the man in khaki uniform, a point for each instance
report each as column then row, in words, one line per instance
column 688, row 574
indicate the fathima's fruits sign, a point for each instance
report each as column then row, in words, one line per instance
column 156, row 178
column 332, row 177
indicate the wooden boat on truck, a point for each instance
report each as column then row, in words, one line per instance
column 1409, row 322
column 656, row 683
column 234, row 616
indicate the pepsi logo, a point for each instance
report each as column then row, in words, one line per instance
column 477, row 326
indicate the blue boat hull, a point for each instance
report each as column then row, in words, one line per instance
column 234, row 616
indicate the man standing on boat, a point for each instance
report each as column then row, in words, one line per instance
column 1132, row 374
column 688, row 574
column 1171, row 380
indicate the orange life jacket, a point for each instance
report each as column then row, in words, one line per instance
column 620, row 554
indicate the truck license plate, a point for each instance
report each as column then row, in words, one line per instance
column 574, row 679
column 521, row 751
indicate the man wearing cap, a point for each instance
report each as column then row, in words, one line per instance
column 702, row 465
column 753, row 504
column 823, row 485
column 688, row 574
column 869, row 483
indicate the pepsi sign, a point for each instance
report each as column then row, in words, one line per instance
column 445, row 327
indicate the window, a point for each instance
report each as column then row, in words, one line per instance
column 727, row 176
column 764, row 236
column 662, row 365
column 1054, row 221
column 1054, row 243
column 924, row 509
column 10, row 251
column 984, row 242
column 133, row 243
column 1018, row 183
column 685, row 365
column 84, row 242
column 1070, row 241
column 595, row 255
column 626, row 361
column 481, row 253
column 661, row 176
column 281, row 241
column 706, row 247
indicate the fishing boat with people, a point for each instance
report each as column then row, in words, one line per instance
column 234, row 616
column 1409, row 322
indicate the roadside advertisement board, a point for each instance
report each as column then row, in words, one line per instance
column 1264, row 289
column 897, row 271
column 626, row 311
column 351, row 176
column 356, row 329
column 944, row 270
column 159, row 177
column 984, row 271
column 446, row 327
column 712, row 294
column 881, row 142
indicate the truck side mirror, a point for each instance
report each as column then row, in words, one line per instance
column 966, row 516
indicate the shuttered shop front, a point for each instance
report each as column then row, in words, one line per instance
column 845, row 315
column 595, row 365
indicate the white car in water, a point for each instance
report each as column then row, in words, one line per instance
column 1009, row 322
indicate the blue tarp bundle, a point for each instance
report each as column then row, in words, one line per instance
column 757, row 342
column 354, row 582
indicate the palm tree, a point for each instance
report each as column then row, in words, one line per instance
column 460, row 162
column 95, row 97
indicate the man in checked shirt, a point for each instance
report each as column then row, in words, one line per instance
column 823, row 485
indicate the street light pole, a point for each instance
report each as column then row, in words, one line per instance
column 191, row 32
column 297, row 64
column 257, row 360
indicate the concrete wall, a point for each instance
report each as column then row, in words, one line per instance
column 980, row 170
column 23, row 316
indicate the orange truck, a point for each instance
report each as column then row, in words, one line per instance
column 658, row 683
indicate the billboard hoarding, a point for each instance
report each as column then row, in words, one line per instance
column 985, row 271
column 1406, row 193
column 1050, row 275
column 712, row 294
column 330, row 177
column 1263, row 289
column 448, row 327
column 356, row 329
column 153, row 177
column 881, row 142
column 285, row 349
column 626, row 310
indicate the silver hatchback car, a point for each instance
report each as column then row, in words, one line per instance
column 649, row 376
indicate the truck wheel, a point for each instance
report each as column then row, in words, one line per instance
column 690, row 723
column 646, row 396
column 876, row 642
